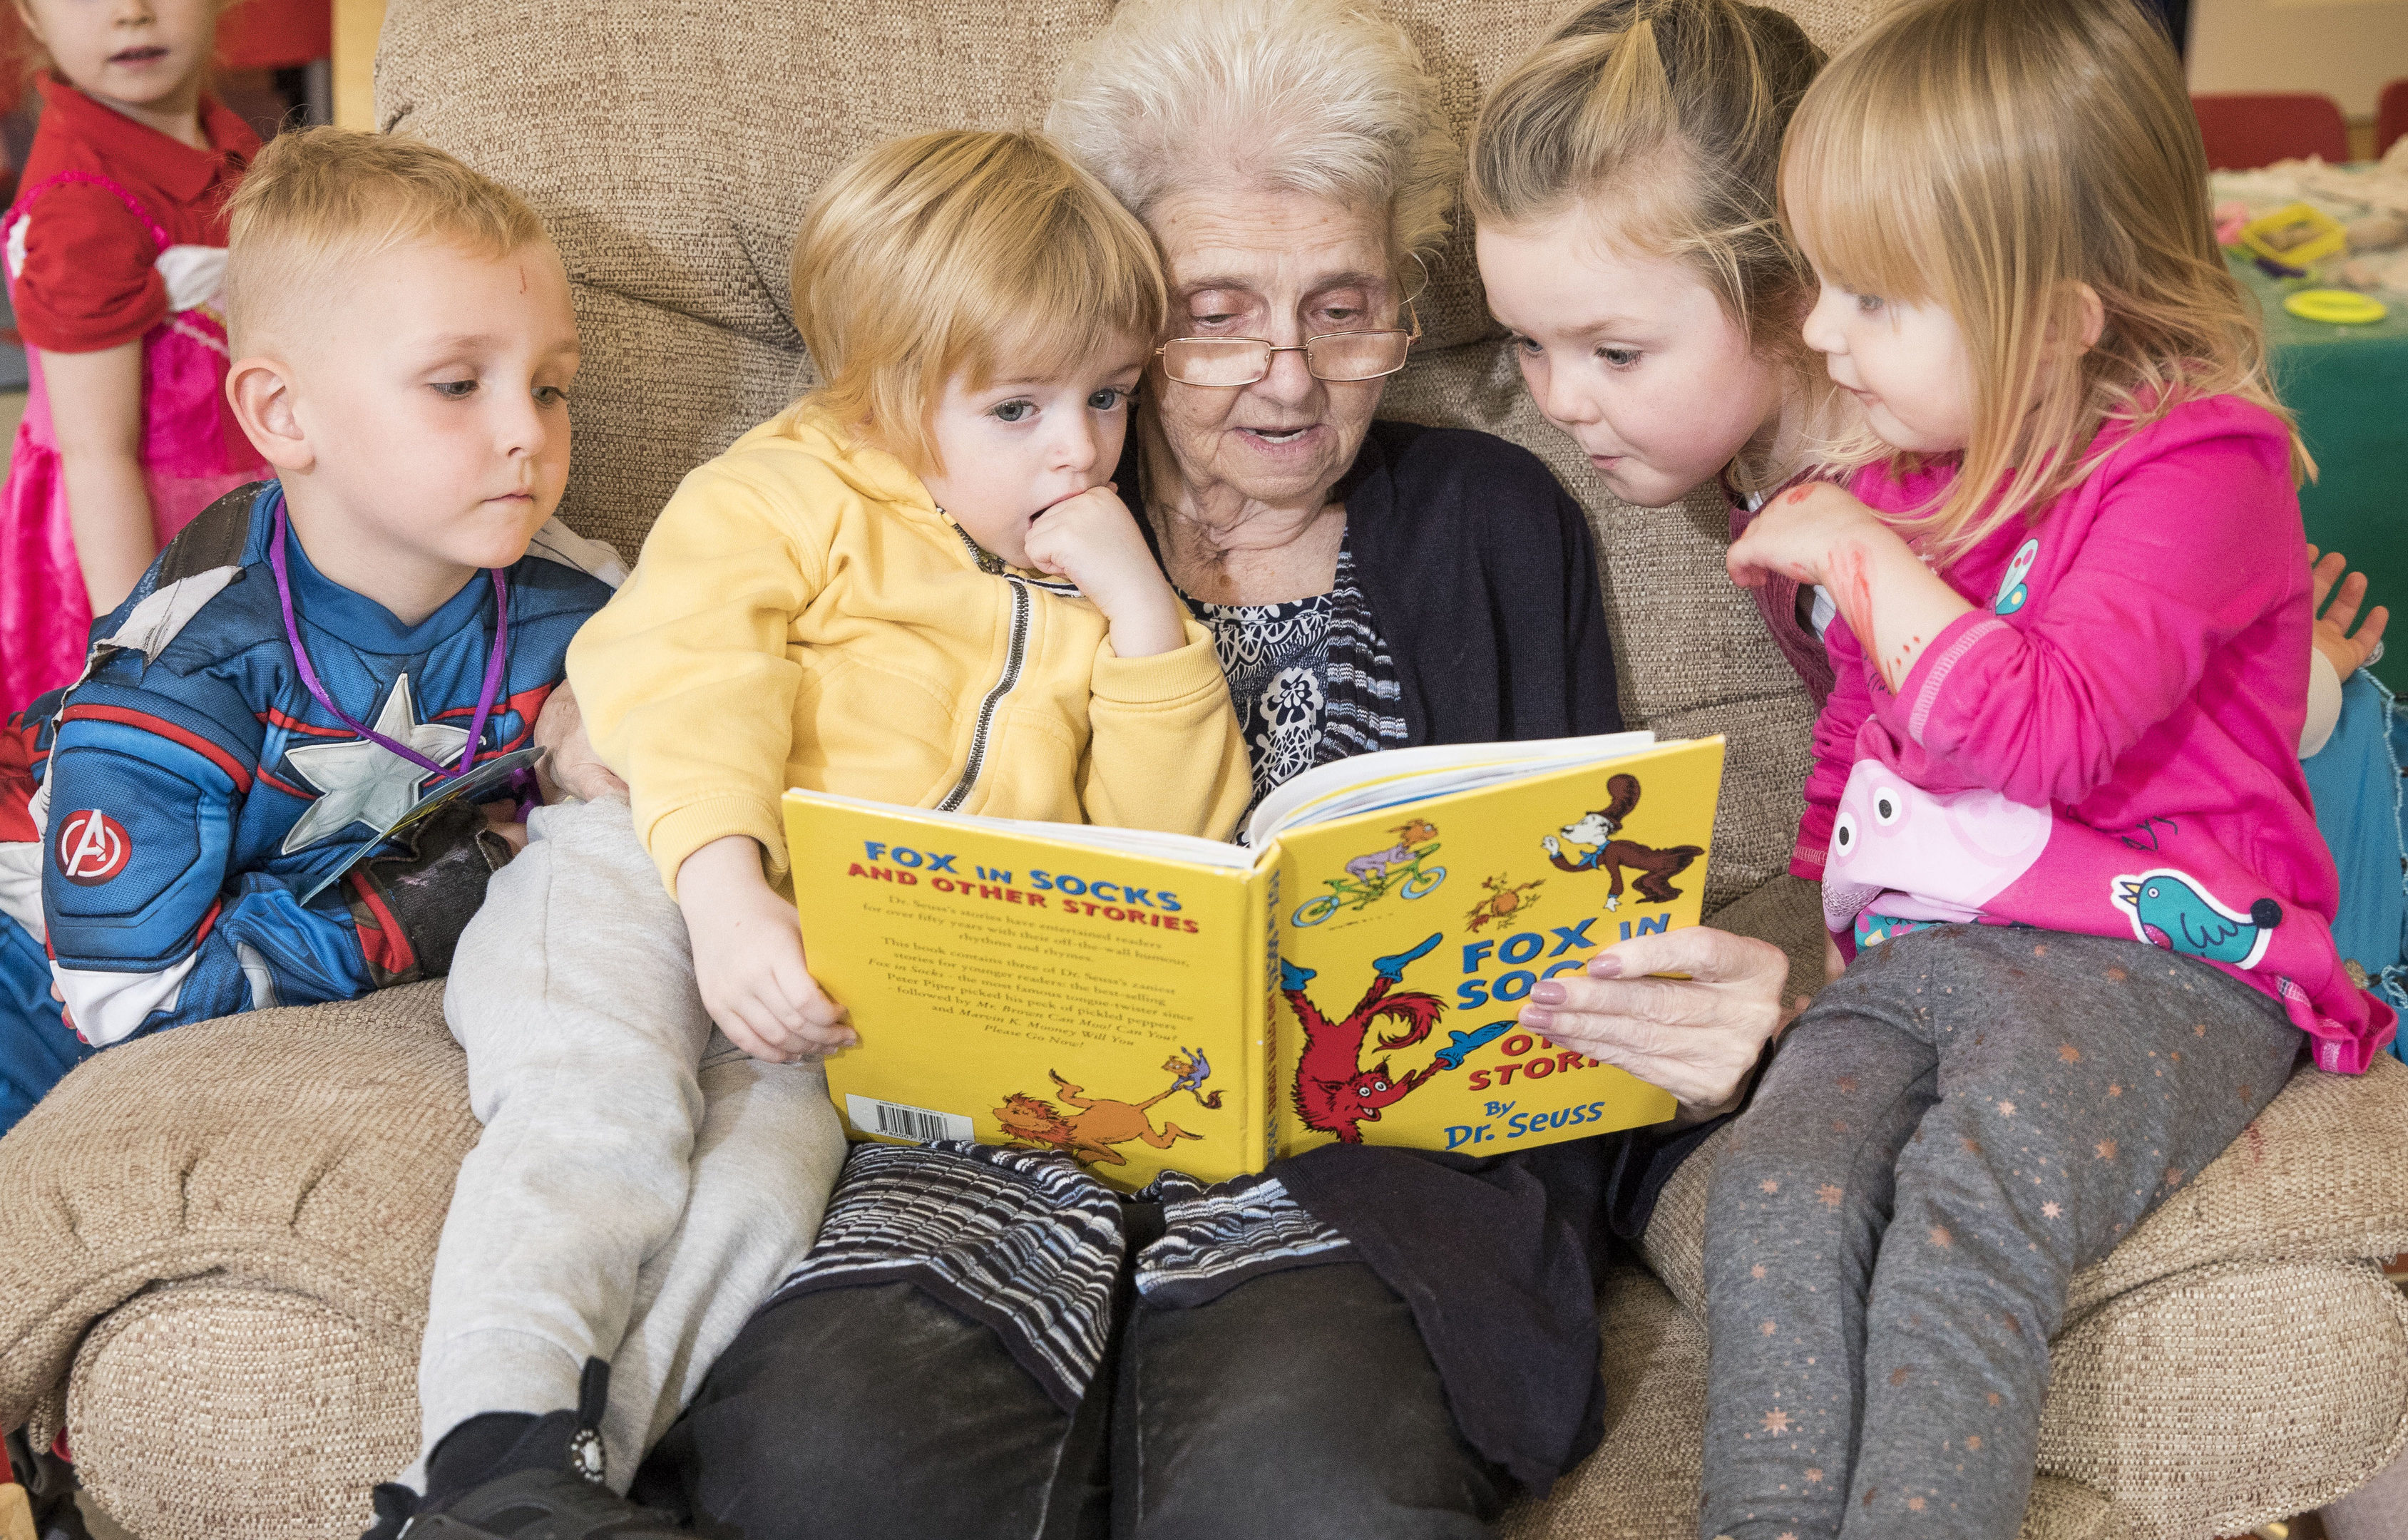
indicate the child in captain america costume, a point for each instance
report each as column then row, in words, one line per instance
column 192, row 787
column 311, row 655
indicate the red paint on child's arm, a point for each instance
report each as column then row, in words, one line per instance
column 1845, row 568
column 1851, row 587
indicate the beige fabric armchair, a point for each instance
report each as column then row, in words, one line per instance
column 217, row 1242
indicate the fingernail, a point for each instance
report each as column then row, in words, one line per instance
column 1605, row 966
column 1548, row 993
column 1536, row 1018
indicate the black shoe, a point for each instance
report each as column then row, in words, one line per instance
column 547, row 1485
column 530, row 1505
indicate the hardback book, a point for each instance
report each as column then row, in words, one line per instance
column 1353, row 971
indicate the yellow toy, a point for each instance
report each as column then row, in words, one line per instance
column 2338, row 307
column 2296, row 236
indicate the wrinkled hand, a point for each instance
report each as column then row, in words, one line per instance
column 1091, row 541
column 569, row 764
column 748, row 957
column 1697, row 1037
column 1793, row 536
column 2346, row 651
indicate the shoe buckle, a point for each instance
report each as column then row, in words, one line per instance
column 585, row 1455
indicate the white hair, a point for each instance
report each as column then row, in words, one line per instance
column 1327, row 98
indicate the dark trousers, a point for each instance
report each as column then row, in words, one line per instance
column 1300, row 1405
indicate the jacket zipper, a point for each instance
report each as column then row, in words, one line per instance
column 1016, row 655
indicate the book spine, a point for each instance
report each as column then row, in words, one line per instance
column 1262, row 1018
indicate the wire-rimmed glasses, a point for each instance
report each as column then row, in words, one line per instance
column 1225, row 363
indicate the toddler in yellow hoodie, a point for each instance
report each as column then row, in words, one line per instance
column 915, row 585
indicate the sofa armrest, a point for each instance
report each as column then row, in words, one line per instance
column 2321, row 1176
column 209, row 1411
column 309, row 1151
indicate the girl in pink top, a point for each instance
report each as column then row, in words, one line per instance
column 113, row 254
column 2056, row 811
column 2074, row 592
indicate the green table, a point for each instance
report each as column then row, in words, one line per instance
column 2349, row 386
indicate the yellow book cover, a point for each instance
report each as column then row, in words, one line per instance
column 1148, row 1002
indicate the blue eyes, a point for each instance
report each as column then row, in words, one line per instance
column 1020, row 409
column 1869, row 305
column 1613, row 358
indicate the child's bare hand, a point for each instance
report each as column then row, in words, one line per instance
column 2348, row 652
column 1091, row 541
column 1794, row 534
column 748, row 957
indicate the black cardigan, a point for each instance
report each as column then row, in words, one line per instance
column 1482, row 578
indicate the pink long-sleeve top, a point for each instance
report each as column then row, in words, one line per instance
column 2109, row 742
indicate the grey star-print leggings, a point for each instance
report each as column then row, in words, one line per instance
column 1962, row 1121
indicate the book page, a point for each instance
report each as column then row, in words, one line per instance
column 1365, row 782
column 1016, row 990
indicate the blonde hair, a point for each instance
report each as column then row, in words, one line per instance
column 1324, row 97
column 1660, row 121
column 1991, row 159
column 318, row 201
column 958, row 253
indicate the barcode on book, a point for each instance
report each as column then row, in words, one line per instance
column 897, row 1121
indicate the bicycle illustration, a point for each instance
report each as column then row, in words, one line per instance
column 1404, row 866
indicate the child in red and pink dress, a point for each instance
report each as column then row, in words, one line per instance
column 2056, row 809
column 114, row 251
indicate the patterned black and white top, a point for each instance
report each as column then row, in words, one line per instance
column 1312, row 679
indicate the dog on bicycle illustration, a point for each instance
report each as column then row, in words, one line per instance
column 1374, row 867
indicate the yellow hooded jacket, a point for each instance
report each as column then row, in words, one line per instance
column 803, row 615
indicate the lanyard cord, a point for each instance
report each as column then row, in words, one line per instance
column 485, row 698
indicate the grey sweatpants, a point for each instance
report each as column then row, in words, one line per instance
column 640, row 1185
column 1961, row 1120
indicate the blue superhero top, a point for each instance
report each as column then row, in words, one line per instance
column 192, row 786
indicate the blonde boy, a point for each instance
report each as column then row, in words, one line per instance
column 916, row 585
column 314, row 652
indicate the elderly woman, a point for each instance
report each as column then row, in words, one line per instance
column 1360, row 1341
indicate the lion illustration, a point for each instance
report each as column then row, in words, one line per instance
column 1034, row 1123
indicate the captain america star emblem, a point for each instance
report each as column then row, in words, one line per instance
column 92, row 847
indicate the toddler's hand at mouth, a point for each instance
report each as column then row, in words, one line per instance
column 1091, row 540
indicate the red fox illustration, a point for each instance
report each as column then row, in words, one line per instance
column 1333, row 1092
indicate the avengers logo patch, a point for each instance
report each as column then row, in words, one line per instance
column 91, row 847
